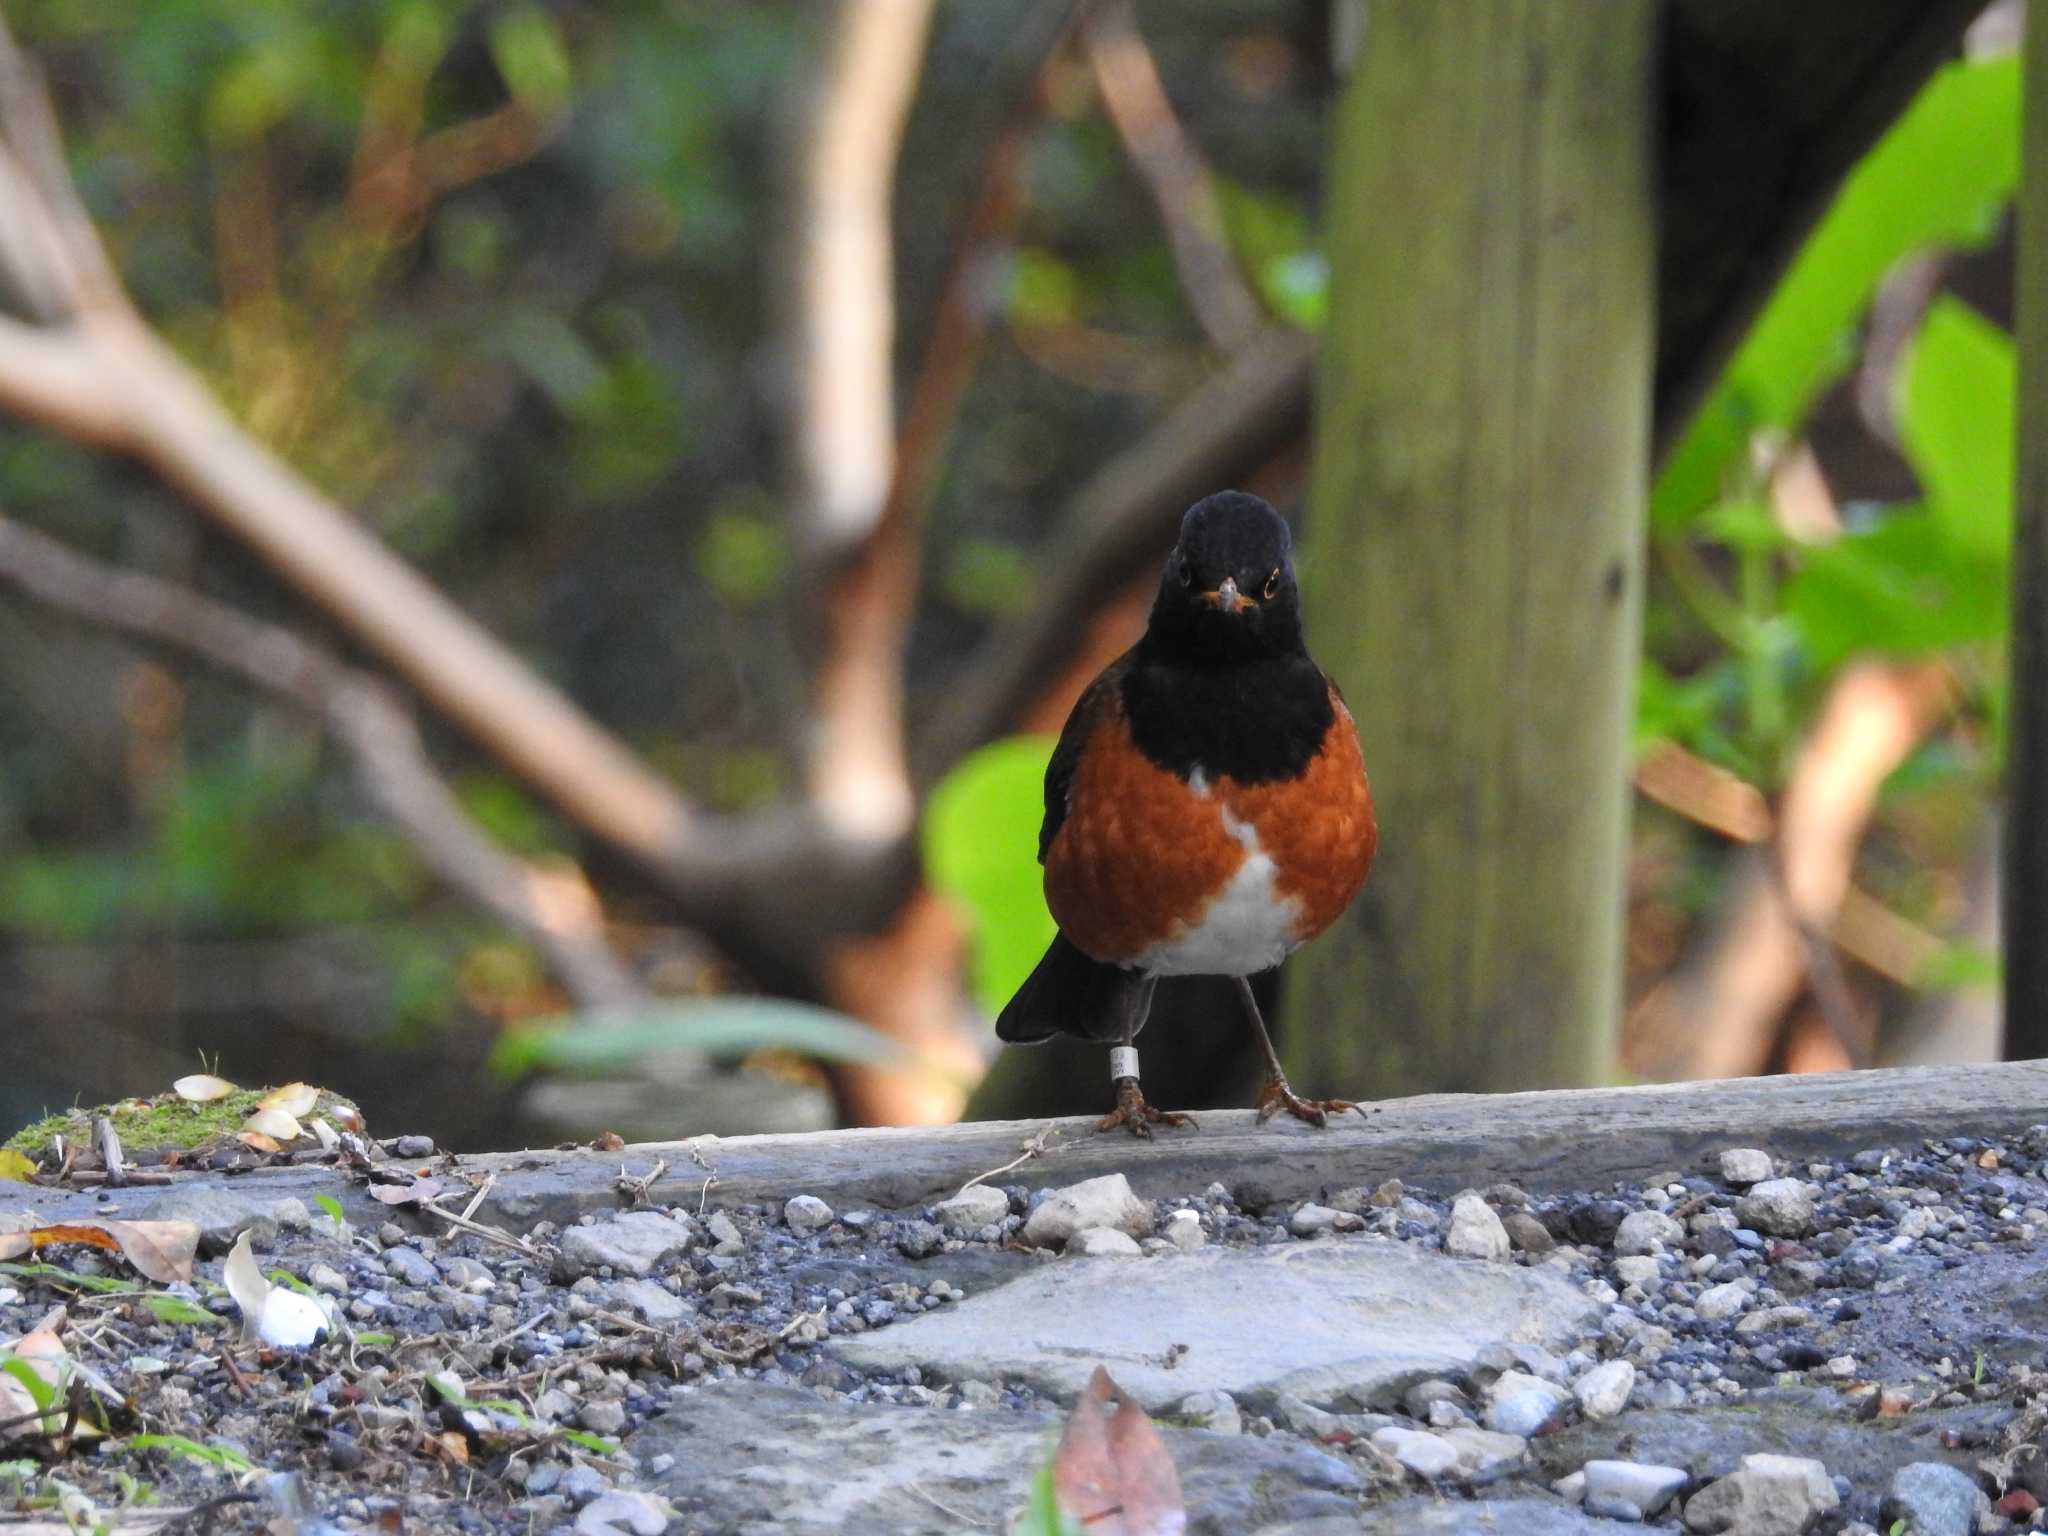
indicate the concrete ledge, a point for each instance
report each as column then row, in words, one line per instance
column 1565, row 1139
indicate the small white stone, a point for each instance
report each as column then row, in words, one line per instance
column 1184, row 1230
column 1521, row 1404
column 1841, row 1367
column 1102, row 1243
column 1482, row 1452
column 1646, row 1232
column 1311, row 1220
column 1475, row 1232
column 1777, row 1208
column 807, row 1213
column 1107, row 1201
column 1571, row 1487
column 1629, row 1490
column 1422, row 1453
column 1718, row 1302
column 1603, row 1391
column 1638, row 1269
column 975, row 1207
column 1744, row 1166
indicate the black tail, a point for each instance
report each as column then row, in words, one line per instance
column 1070, row 994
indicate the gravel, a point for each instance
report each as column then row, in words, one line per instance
column 1888, row 1288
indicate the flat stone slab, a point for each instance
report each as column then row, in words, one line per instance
column 753, row 1460
column 1350, row 1320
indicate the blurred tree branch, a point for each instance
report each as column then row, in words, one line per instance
column 554, row 910
column 1174, row 173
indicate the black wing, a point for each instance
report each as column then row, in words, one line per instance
column 1102, row 696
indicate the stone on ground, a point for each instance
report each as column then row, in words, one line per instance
column 975, row 1207
column 1777, row 1208
column 1744, row 1166
column 1764, row 1496
column 1104, row 1202
column 1352, row 1320
column 807, row 1213
column 1629, row 1490
column 1476, row 1232
column 1646, row 1232
column 1935, row 1499
column 1425, row 1515
column 1101, row 1243
column 632, row 1244
column 1603, row 1391
column 1419, row 1451
column 754, row 1457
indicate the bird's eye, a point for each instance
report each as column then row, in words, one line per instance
column 1187, row 572
column 1272, row 583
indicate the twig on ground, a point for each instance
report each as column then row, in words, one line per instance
column 1034, row 1147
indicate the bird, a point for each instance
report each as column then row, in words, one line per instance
column 1207, row 810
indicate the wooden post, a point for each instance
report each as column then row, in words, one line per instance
column 1473, row 558
column 2026, row 847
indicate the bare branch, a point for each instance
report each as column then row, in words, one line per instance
column 362, row 714
column 1174, row 172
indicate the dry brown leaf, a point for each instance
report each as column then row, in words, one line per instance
column 158, row 1250
column 420, row 1188
column 1112, row 1472
column 453, row 1446
column 202, row 1088
column 295, row 1099
column 608, row 1141
column 259, row 1142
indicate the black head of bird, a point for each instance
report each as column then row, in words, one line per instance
column 1228, row 593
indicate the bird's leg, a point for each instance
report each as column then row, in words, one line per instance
column 1278, row 1094
column 1132, row 1112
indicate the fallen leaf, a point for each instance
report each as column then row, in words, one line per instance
column 608, row 1141
column 259, row 1142
column 202, row 1088
column 328, row 1137
column 159, row 1250
column 16, row 1167
column 453, row 1446
column 1112, row 1472
column 273, row 1122
column 295, row 1099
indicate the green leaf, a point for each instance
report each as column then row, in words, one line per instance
column 332, row 1207
column 725, row 1026
column 224, row 1457
column 100, row 1284
column 1939, row 177
column 1902, row 588
column 178, row 1311
column 44, row 1394
column 1956, row 424
column 980, row 851
column 1043, row 1515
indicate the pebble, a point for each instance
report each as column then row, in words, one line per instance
column 919, row 1239
column 1424, row 1454
column 1769, row 1319
column 1646, row 1232
column 1779, row 1207
column 1765, row 1495
column 1315, row 1220
column 624, row 1513
column 1934, row 1499
column 1521, row 1404
column 1101, row 1202
column 1475, row 1231
column 1603, row 1391
column 604, row 1417
column 1744, row 1166
column 975, row 1207
column 630, row 1244
column 1527, row 1233
column 1102, row 1243
column 1482, row 1453
column 1184, row 1230
column 806, row 1213
column 1628, row 1490
column 1720, row 1302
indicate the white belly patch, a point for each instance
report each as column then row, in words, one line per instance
column 1248, row 926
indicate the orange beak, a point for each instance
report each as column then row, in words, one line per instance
column 1227, row 597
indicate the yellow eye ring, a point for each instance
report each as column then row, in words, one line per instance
column 1272, row 584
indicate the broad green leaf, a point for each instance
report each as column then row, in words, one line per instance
column 16, row 1167
column 1939, row 177
column 724, row 1026
column 43, row 1393
column 177, row 1310
column 1902, row 588
column 1956, row 423
column 981, row 852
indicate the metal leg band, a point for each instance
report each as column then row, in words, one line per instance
column 1123, row 1062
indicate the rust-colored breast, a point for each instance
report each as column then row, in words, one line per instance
column 1141, row 854
column 1318, row 829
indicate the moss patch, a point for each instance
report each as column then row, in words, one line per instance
column 166, row 1124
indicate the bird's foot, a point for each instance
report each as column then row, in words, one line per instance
column 1136, row 1116
column 1277, row 1095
